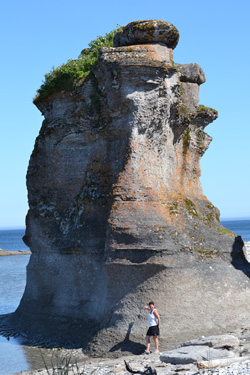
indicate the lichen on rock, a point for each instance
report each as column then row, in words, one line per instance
column 117, row 214
column 149, row 31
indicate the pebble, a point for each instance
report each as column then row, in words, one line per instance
column 238, row 364
column 140, row 363
column 233, row 369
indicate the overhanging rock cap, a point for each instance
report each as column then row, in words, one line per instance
column 149, row 31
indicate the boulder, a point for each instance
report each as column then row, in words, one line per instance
column 225, row 362
column 149, row 31
column 193, row 354
column 217, row 342
column 247, row 250
column 191, row 73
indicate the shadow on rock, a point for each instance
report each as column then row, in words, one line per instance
column 239, row 260
column 51, row 333
column 129, row 346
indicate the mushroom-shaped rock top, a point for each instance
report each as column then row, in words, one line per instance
column 149, row 31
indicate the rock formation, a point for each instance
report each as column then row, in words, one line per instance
column 19, row 252
column 117, row 215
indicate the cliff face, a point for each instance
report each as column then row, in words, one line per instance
column 117, row 215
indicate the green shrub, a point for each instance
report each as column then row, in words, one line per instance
column 70, row 75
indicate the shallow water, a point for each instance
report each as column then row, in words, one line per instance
column 12, row 281
column 12, row 284
column 14, row 356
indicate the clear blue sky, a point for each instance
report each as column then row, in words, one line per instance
column 35, row 36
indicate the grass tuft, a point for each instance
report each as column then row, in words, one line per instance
column 70, row 75
column 62, row 365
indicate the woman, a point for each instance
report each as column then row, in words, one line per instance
column 154, row 327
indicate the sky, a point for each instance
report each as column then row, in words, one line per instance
column 35, row 36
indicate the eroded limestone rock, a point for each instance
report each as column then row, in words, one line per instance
column 194, row 354
column 217, row 342
column 117, row 214
column 149, row 31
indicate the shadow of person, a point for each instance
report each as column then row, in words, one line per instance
column 239, row 260
column 128, row 345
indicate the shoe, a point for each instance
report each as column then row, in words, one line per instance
column 157, row 351
column 147, row 352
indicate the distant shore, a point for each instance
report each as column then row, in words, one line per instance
column 20, row 252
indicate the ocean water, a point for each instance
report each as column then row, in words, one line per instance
column 12, row 284
column 15, row 357
column 240, row 227
column 11, row 239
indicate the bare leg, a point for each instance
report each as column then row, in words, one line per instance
column 156, row 340
column 148, row 343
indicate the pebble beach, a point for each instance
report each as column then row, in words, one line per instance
column 219, row 355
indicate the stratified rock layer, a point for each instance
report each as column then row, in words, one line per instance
column 117, row 215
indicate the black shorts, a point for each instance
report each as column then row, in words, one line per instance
column 153, row 331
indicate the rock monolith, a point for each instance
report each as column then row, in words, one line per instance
column 117, row 215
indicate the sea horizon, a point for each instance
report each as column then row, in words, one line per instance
column 11, row 237
column 234, row 218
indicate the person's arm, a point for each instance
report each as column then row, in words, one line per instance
column 156, row 314
column 146, row 307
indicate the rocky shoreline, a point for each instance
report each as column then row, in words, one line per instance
column 222, row 354
column 20, row 252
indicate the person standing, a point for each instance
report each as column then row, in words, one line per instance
column 154, row 327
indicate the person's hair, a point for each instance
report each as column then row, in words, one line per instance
column 151, row 303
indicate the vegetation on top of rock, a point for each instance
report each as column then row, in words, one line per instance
column 203, row 108
column 225, row 231
column 148, row 31
column 70, row 75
